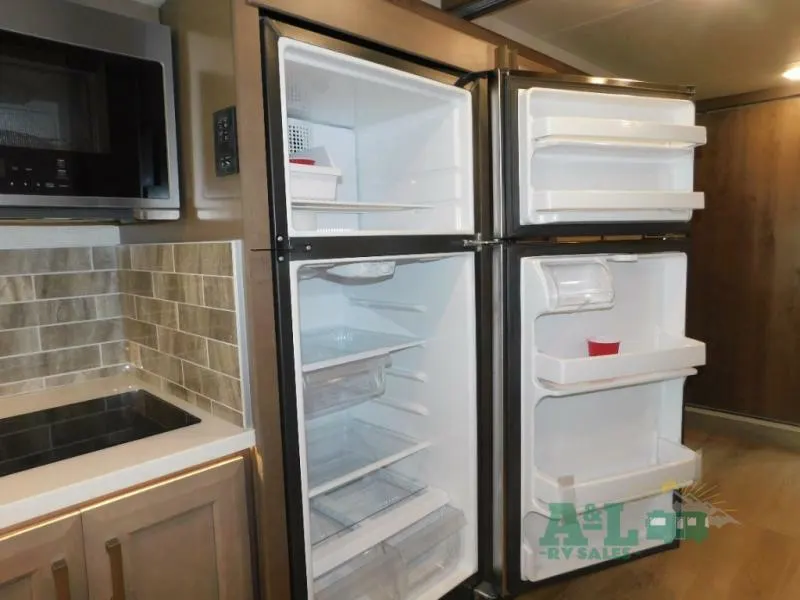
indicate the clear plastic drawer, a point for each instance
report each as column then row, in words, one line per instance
column 373, row 575
column 342, row 386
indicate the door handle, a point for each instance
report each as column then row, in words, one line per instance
column 61, row 580
column 114, row 551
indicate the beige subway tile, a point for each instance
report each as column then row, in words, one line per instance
column 114, row 353
column 80, row 376
column 14, row 316
column 124, row 257
column 66, row 310
column 150, row 378
column 223, row 358
column 21, row 387
column 226, row 413
column 134, row 354
column 48, row 260
column 203, row 403
column 43, row 364
column 140, row 333
column 152, row 257
column 161, row 364
column 81, row 334
column 75, row 284
column 179, row 391
column 218, row 292
column 204, row 259
column 178, row 288
column 139, row 283
column 104, row 258
column 211, row 384
column 158, row 312
column 108, row 306
column 128, row 305
column 208, row 322
column 183, row 345
column 16, row 289
column 19, row 341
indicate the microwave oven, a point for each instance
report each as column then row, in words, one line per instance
column 87, row 114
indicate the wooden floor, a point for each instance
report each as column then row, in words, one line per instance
column 756, row 560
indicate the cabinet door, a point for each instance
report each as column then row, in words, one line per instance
column 184, row 538
column 44, row 562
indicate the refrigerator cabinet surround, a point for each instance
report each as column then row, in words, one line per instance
column 591, row 156
column 589, row 431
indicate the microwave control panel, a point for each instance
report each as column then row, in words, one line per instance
column 35, row 177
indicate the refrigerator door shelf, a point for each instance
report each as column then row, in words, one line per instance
column 610, row 133
column 342, row 450
column 605, row 200
column 332, row 346
column 663, row 353
column 430, row 548
column 375, row 530
column 352, row 207
column 375, row 574
column 674, row 466
column 546, row 389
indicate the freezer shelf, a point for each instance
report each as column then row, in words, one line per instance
column 373, row 575
column 343, row 450
column 430, row 548
column 342, row 386
column 350, row 505
column 585, row 131
column 673, row 466
column 338, row 345
column 663, row 354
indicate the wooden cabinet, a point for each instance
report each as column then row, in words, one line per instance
column 44, row 562
column 186, row 537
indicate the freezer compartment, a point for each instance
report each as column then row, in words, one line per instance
column 595, row 157
column 342, row 386
column 670, row 466
column 373, row 575
column 401, row 144
column 542, row 559
column 429, row 549
column 341, row 450
column 658, row 353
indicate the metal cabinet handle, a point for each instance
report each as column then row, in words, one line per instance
column 114, row 551
column 61, row 580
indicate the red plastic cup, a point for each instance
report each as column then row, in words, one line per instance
column 303, row 161
column 602, row 346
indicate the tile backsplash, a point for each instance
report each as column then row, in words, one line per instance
column 166, row 312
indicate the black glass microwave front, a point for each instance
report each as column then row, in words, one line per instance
column 80, row 122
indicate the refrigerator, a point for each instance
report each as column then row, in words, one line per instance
column 437, row 398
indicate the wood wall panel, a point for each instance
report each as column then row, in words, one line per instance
column 744, row 280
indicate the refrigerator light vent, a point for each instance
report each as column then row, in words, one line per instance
column 299, row 138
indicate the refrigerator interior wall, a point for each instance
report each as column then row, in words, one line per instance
column 601, row 430
column 385, row 359
column 392, row 151
column 594, row 157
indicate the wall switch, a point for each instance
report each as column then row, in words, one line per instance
column 226, row 146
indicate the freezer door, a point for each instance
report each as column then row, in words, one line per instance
column 598, row 395
column 596, row 155
column 364, row 143
column 381, row 392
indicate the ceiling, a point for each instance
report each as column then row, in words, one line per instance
column 722, row 46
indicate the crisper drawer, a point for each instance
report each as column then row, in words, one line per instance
column 430, row 548
column 373, row 575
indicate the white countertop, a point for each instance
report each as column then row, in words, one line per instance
column 61, row 485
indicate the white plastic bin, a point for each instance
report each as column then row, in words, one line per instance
column 578, row 284
column 313, row 182
column 430, row 548
column 373, row 575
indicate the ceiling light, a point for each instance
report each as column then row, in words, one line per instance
column 793, row 72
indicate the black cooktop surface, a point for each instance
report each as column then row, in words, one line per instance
column 48, row 436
